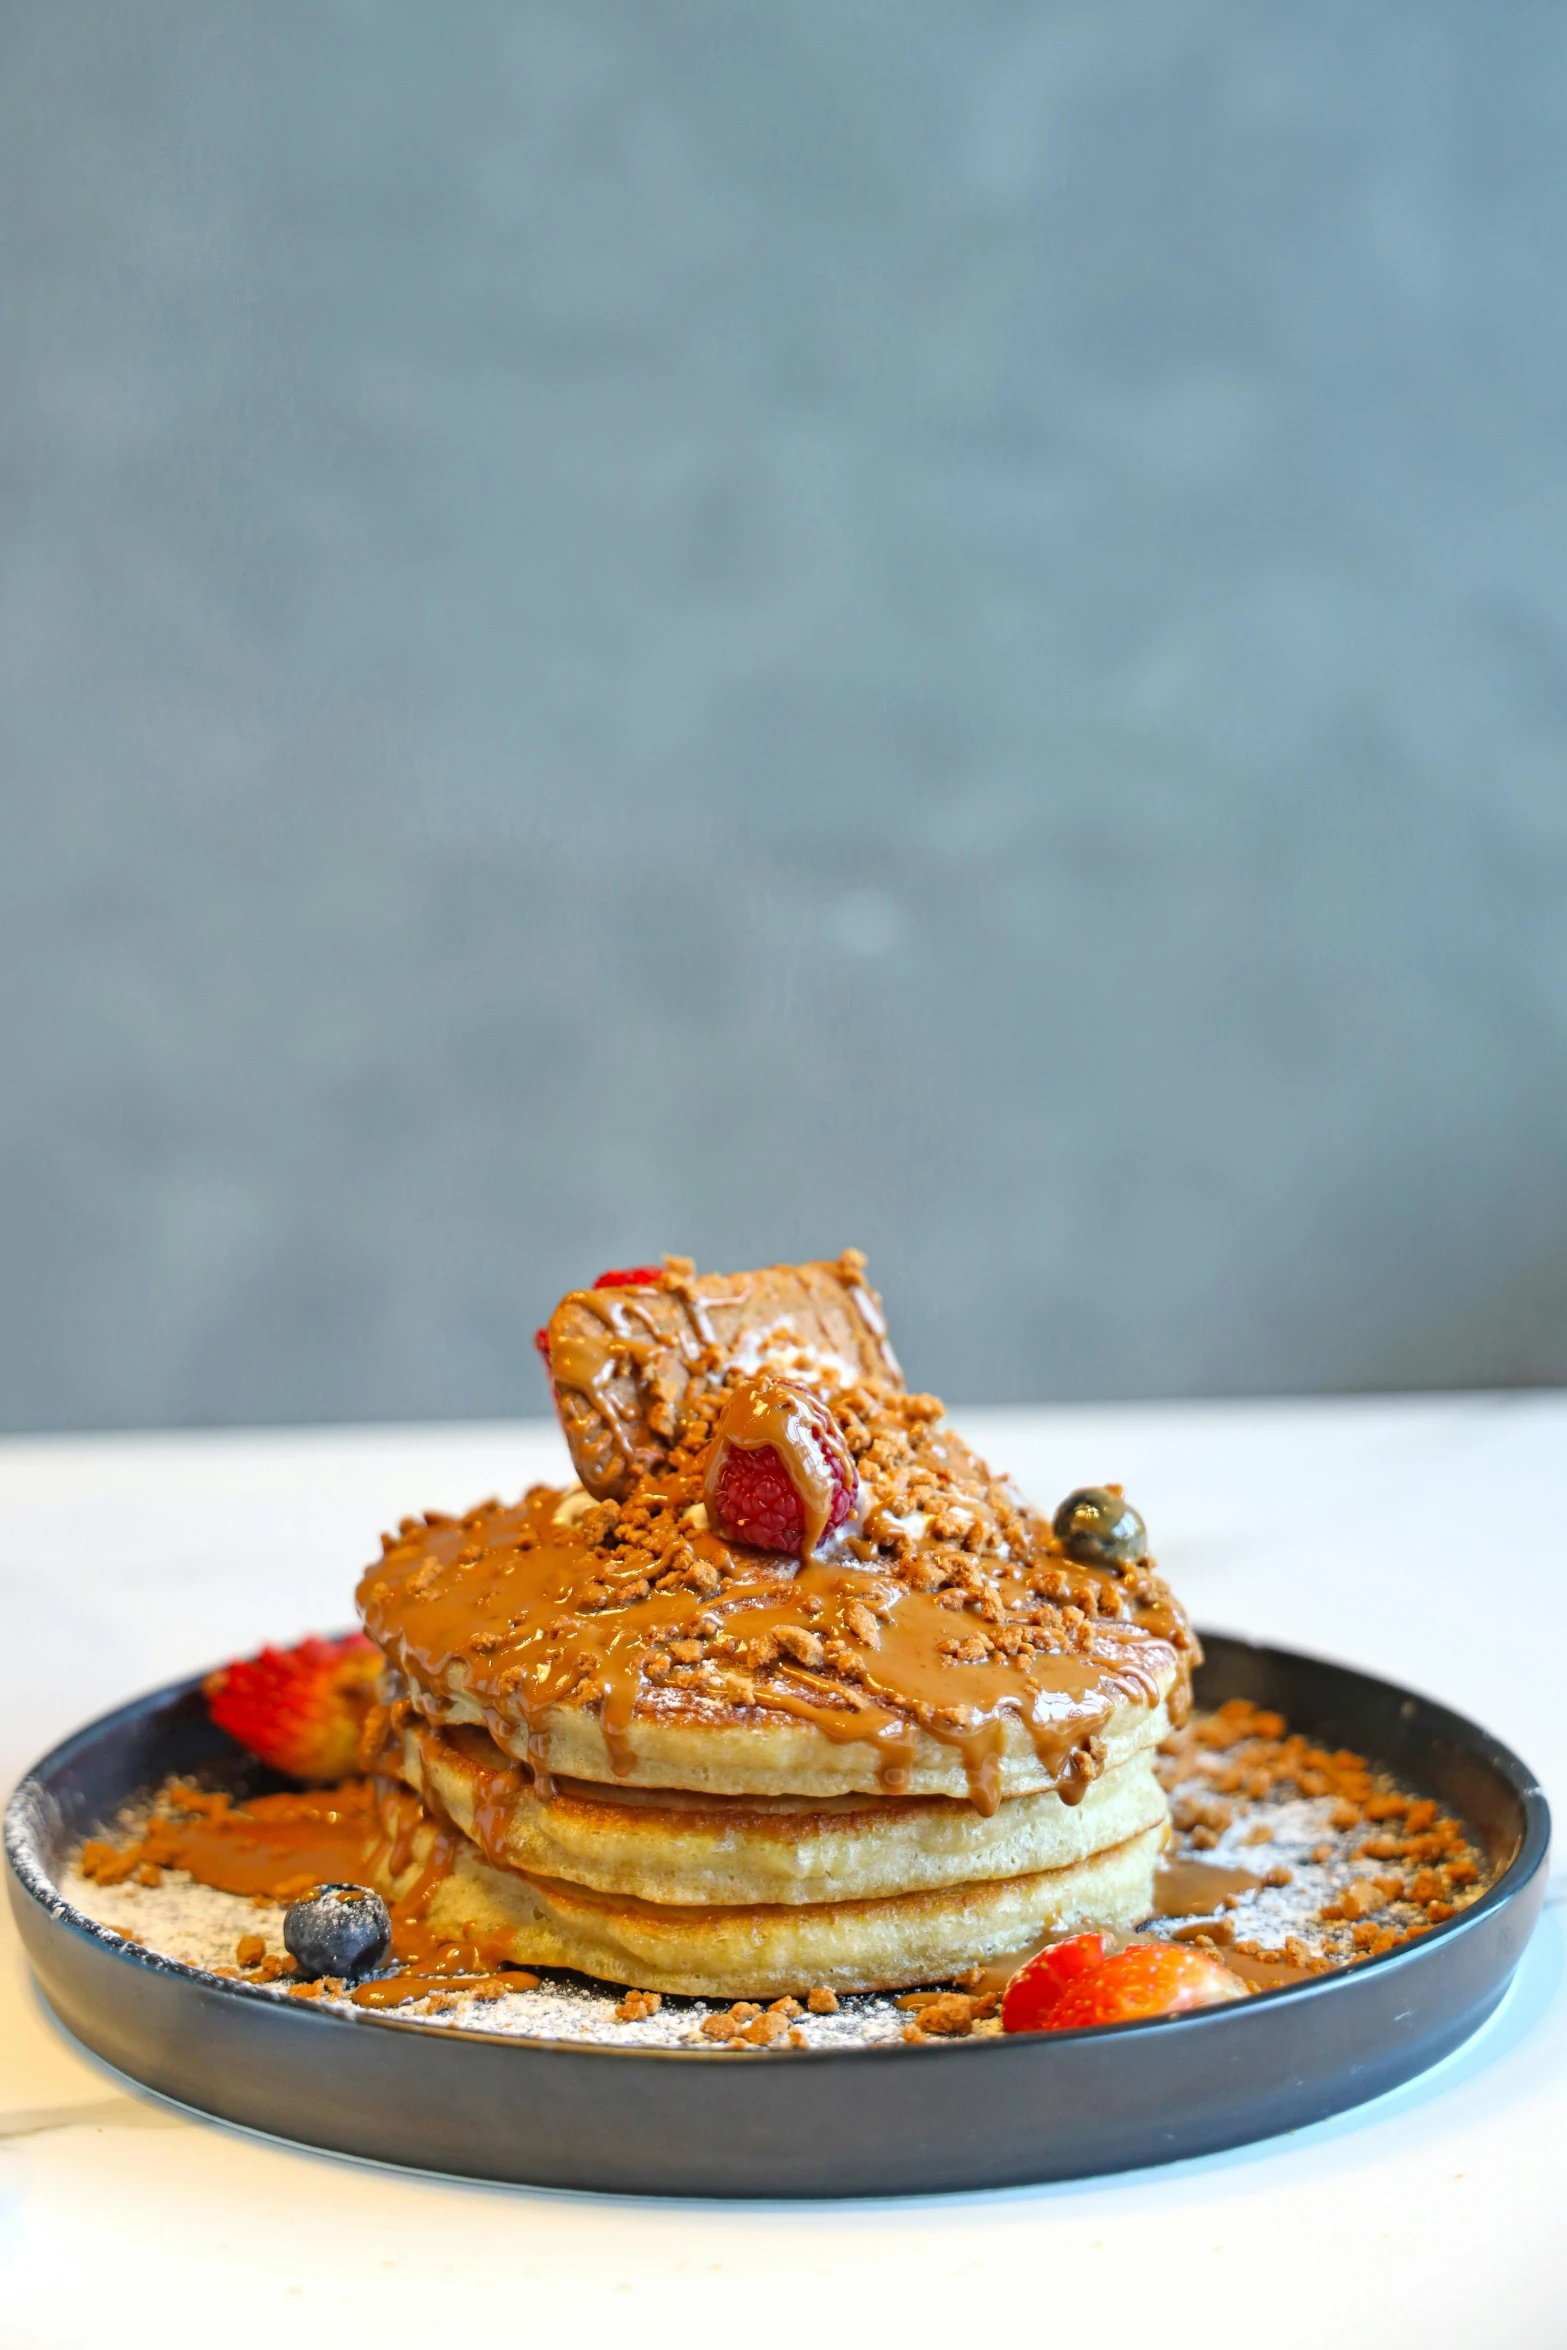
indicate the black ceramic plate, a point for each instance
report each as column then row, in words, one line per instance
column 861, row 2121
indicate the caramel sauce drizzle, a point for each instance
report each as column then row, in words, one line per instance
column 362, row 1832
column 1184, row 1887
column 588, row 1364
column 519, row 1608
column 276, row 1846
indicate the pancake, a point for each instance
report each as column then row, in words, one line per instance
column 680, row 1848
column 789, row 1689
column 712, row 1747
column 767, row 1951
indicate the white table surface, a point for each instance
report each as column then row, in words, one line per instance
column 1422, row 1538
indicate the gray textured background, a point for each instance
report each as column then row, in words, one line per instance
column 744, row 627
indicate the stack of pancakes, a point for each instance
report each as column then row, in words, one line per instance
column 680, row 1761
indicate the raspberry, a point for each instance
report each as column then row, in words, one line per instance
column 750, row 1492
column 756, row 1503
column 301, row 1709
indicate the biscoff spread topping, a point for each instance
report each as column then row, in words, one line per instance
column 944, row 1605
column 627, row 1361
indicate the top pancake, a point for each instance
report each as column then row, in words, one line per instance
column 940, row 1644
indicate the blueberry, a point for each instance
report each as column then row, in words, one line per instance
column 1098, row 1527
column 338, row 1930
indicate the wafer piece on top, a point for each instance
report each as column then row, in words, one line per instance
column 628, row 1358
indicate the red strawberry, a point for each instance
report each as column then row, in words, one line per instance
column 301, row 1709
column 1039, row 1983
column 1145, row 1979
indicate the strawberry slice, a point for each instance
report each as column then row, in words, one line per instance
column 1039, row 1983
column 1146, row 1979
column 300, row 1709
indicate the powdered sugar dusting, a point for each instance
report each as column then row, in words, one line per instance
column 200, row 1928
column 1312, row 1847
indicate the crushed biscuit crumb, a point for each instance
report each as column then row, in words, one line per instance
column 637, row 2006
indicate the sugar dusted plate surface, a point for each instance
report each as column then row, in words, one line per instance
column 558, row 2092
